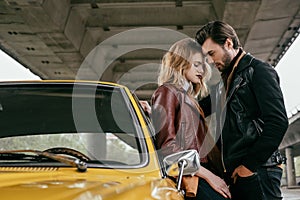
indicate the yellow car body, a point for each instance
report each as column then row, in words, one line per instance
column 39, row 178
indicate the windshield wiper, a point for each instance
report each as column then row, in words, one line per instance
column 19, row 154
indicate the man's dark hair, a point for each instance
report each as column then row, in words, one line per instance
column 218, row 31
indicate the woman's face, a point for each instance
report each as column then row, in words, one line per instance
column 196, row 72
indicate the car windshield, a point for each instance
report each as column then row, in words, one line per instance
column 98, row 122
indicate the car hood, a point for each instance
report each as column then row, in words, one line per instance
column 83, row 186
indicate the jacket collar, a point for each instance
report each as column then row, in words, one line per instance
column 193, row 104
column 186, row 85
column 245, row 62
column 234, row 64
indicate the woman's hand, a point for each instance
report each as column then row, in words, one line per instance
column 146, row 107
column 214, row 181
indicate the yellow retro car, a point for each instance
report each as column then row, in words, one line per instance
column 62, row 140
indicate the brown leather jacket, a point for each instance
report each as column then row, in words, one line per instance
column 179, row 124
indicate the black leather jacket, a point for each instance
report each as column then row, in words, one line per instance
column 252, row 120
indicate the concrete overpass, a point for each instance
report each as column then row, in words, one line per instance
column 53, row 37
column 123, row 40
column 290, row 146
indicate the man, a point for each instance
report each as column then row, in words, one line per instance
column 251, row 116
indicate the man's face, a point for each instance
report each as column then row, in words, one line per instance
column 217, row 53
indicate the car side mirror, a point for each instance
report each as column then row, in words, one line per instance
column 182, row 163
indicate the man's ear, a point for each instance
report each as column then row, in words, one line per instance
column 229, row 43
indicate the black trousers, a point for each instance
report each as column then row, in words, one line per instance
column 263, row 185
column 205, row 192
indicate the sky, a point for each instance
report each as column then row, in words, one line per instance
column 11, row 70
column 288, row 71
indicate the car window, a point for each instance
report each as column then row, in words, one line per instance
column 96, row 122
column 107, row 148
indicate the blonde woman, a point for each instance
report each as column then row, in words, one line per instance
column 178, row 120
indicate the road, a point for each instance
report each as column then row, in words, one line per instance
column 291, row 194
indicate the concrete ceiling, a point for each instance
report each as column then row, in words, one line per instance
column 123, row 40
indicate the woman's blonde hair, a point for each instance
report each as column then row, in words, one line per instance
column 175, row 63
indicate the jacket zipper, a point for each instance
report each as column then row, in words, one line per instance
column 226, row 101
column 182, row 136
column 222, row 157
column 195, row 134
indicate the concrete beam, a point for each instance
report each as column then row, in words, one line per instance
column 219, row 8
column 75, row 27
column 58, row 11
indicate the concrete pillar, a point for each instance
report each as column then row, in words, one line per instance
column 290, row 167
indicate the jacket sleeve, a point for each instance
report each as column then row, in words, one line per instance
column 266, row 88
column 165, row 108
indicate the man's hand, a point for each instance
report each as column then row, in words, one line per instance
column 241, row 171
